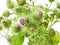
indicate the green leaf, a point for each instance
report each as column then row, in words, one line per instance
column 55, row 11
column 9, row 38
column 41, row 30
column 39, row 40
column 18, row 39
column 56, row 38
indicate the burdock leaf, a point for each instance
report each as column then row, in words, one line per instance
column 56, row 38
column 18, row 39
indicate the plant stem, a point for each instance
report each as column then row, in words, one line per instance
column 13, row 11
column 52, row 24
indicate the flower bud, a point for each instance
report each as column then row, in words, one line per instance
column 58, row 14
column 0, row 27
column 18, row 10
column 40, row 13
column 16, row 27
column 3, row 21
column 51, row 0
column 58, row 4
column 21, row 2
column 6, row 22
column 51, row 32
column 26, row 6
column 10, row 4
column 1, row 18
column 32, row 29
column 17, row 0
column 6, row 13
column 26, row 9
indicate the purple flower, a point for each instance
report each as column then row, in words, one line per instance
column 22, row 21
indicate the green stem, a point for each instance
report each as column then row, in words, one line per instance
column 52, row 24
column 13, row 11
column 33, row 2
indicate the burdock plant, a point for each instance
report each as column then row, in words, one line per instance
column 30, row 21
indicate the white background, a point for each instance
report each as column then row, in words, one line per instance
column 3, row 7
